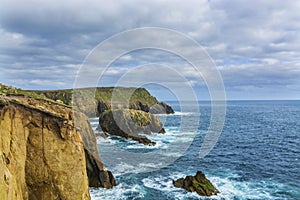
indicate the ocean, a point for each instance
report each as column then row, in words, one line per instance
column 257, row 155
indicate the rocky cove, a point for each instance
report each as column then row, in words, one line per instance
column 49, row 151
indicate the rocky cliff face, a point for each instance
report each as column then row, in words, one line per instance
column 130, row 123
column 44, row 154
column 97, row 174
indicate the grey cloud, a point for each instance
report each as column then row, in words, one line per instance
column 254, row 43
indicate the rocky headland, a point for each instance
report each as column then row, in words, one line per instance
column 94, row 101
column 47, row 150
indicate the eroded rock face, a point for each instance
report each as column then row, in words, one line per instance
column 98, row 175
column 161, row 108
column 42, row 152
column 198, row 183
column 129, row 123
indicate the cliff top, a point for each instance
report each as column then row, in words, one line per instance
column 104, row 94
column 32, row 100
column 20, row 96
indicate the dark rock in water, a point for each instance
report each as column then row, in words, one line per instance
column 130, row 123
column 161, row 108
column 198, row 183
column 162, row 131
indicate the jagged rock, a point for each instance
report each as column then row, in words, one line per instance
column 198, row 183
column 129, row 123
column 44, row 154
column 161, row 108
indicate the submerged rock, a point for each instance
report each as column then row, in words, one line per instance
column 130, row 123
column 198, row 183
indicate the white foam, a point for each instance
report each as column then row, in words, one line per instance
column 165, row 184
column 123, row 168
column 178, row 113
column 232, row 188
column 229, row 189
column 117, row 192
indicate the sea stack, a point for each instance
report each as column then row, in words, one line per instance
column 129, row 123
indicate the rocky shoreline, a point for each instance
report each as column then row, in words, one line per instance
column 49, row 151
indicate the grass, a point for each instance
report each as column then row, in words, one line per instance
column 103, row 94
column 12, row 91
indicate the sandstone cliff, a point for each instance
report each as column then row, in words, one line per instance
column 45, row 153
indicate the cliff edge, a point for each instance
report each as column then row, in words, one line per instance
column 45, row 153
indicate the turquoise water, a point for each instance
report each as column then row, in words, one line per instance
column 257, row 155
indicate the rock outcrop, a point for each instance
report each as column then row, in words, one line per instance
column 130, row 123
column 45, row 153
column 198, row 183
column 161, row 108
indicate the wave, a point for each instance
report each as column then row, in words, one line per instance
column 121, row 191
column 230, row 187
column 179, row 113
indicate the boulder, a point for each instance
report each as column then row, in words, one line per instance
column 130, row 123
column 198, row 183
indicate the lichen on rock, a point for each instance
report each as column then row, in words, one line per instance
column 198, row 183
column 128, row 123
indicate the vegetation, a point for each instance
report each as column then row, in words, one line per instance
column 12, row 91
column 103, row 94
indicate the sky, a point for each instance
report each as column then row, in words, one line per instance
column 254, row 45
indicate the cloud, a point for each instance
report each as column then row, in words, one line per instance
column 254, row 44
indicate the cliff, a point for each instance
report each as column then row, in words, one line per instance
column 94, row 101
column 47, row 151
column 130, row 123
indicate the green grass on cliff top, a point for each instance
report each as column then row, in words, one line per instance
column 9, row 90
column 104, row 94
